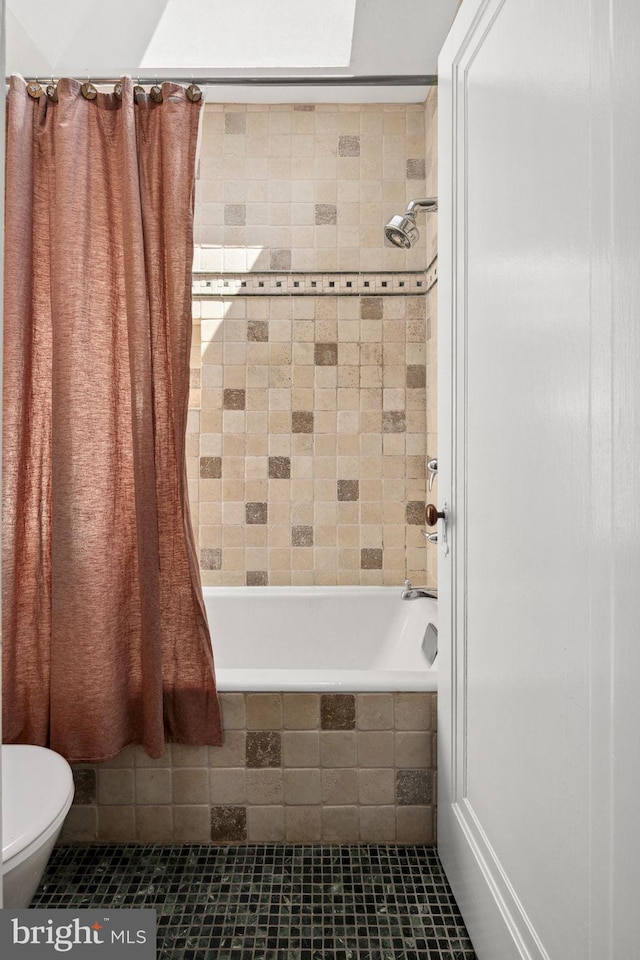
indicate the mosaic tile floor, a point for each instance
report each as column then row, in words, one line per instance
column 271, row 902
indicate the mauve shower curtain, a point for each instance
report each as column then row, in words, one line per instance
column 105, row 641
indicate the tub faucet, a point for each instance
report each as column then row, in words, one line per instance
column 414, row 593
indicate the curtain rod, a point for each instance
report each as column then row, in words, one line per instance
column 403, row 80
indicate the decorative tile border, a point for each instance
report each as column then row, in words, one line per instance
column 273, row 283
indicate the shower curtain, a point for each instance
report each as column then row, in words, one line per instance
column 105, row 641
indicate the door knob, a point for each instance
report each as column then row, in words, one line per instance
column 432, row 515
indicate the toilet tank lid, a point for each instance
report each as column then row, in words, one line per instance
column 37, row 785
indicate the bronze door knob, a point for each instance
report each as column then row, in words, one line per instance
column 432, row 515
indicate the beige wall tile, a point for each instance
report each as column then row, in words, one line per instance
column 265, row 824
column 300, row 748
column 413, row 750
column 338, row 748
column 375, row 749
column 376, row 786
column 339, row 823
column 191, row 824
column 374, row 711
column 412, row 711
column 303, row 824
column 265, row 786
column 264, row 711
column 116, row 823
column 154, row 824
column 302, row 786
column 190, row 785
column 414, row 824
column 153, row 786
column 231, row 753
column 115, row 786
column 339, row 786
column 377, row 824
column 227, row 785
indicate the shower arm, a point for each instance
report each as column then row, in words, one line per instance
column 430, row 204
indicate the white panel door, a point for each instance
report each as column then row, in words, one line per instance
column 539, row 454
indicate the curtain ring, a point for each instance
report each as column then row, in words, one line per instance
column 138, row 92
column 52, row 92
column 194, row 93
column 117, row 90
column 156, row 93
column 88, row 91
column 34, row 89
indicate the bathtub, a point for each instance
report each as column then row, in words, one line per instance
column 321, row 639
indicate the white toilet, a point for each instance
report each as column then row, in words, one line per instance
column 37, row 790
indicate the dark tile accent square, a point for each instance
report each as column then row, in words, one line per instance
column 326, row 213
column 302, row 421
column 415, row 512
column 371, row 308
column 413, row 787
column 325, row 354
column 195, row 378
column 255, row 512
column 337, row 711
column 257, row 578
column 302, row 536
column 210, row 468
column 280, row 260
column 394, row 421
column 235, row 122
column 349, row 146
column 348, row 489
column 233, row 399
column 85, row 785
column 228, row 824
column 416, row 375
column 279, row 468
column 307, row 107
column 416, row 170
column 257, row 330
column 211, row 558
column 235, row 214
column 371, row 558
column 264, row 748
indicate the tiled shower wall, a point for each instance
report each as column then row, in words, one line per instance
column 307, row 428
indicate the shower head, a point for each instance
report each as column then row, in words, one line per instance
column 402, row 231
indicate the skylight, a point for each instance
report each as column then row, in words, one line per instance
column 253, row 34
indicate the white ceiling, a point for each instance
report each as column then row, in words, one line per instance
column 150, row 38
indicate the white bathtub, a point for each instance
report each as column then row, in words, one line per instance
column 320, row 638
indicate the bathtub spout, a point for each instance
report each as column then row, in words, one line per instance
column 415, row 593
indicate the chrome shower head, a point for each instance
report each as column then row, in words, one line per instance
column 402, row 231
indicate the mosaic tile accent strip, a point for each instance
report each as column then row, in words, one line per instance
column 271, row 902
column 275, row 284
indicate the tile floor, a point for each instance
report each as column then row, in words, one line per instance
column 271, row 901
